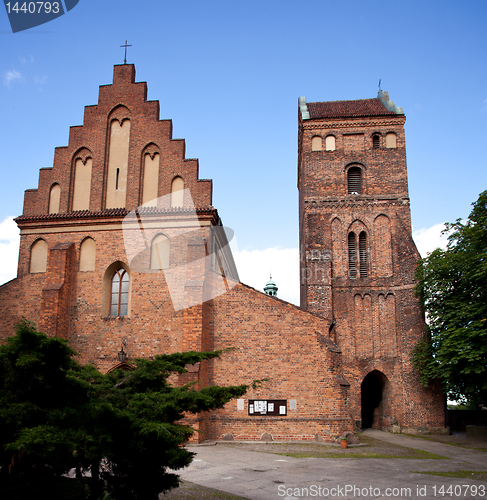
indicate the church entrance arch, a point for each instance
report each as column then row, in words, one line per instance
column 373, row 389
column 124, row 366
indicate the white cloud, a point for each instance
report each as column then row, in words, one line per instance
column 430, row 238
column 255, row 266
column 9, row 249
column 27, row 60
column 40, row 79
column 11, row 76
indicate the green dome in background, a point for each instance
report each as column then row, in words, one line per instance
column 271, row 288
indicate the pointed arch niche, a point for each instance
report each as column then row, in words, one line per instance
column 87, row 255
column 177, row 192
column 150, row 168
column 160, row 248
column 38, row 257
column 118, row 156
column 54, row 198
column 83, row 164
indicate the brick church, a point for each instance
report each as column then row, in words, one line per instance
column 122, row 253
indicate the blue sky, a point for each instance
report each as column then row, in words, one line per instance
column 229, row 75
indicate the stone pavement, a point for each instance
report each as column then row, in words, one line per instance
column 265, row 476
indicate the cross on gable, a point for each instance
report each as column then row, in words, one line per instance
column 125, row 59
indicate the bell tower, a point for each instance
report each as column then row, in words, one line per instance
column 357, row 256
column 353, row 191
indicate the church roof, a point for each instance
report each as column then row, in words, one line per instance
column 117, row 212
column 360, row 107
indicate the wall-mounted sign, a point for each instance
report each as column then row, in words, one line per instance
column 271, row 407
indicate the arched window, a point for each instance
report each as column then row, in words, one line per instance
column 352, row 256
column 159, row 257
column 54, row 199
column 354, row 180
column 330, row 143
column 316, row 143
column 391, row 140
column 38, row 257
column 119, row 293
column 177, row 192
column 362, row 249
column 376, row 141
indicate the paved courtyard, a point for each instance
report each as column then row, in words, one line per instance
column 265, row 476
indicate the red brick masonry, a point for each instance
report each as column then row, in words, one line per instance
column 314, row 357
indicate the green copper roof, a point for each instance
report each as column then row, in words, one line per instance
column 271, row 288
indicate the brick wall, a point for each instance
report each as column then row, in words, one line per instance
column 278, row 341
column 315, row 357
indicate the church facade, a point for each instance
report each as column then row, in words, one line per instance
column 121, row 246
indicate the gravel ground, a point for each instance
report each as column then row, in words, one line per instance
column 369, row 448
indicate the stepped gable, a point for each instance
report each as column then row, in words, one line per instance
column 89, row 145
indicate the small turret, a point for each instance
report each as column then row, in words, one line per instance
column 271, row 288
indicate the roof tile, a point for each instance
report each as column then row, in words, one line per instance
column 360, row 107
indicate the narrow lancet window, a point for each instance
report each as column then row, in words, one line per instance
column 119, row 293
column 362, row 245
column 352, row 256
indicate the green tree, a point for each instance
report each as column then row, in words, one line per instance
column 57, row 416
column 452, row 287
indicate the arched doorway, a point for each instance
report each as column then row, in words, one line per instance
column 372, row 392
column 124, row 366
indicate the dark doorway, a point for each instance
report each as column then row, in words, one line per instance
column 372, row 389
